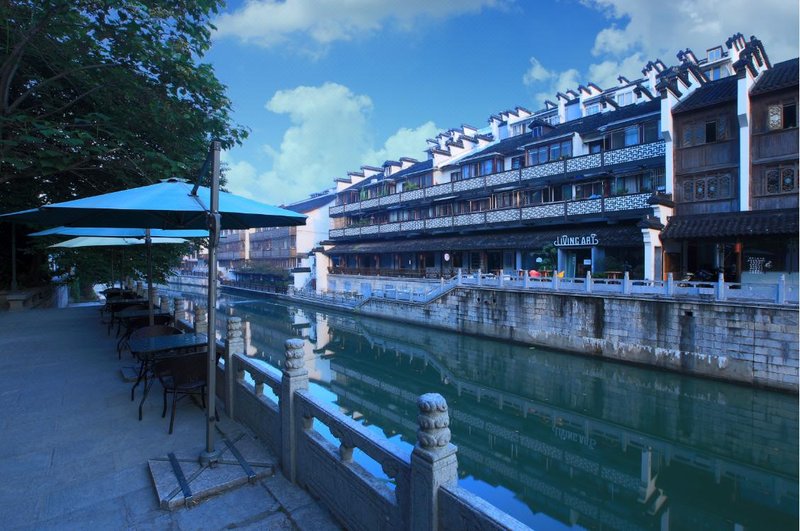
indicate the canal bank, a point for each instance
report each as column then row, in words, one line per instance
column 556, row 441
column 755, row 344
column 747, row 343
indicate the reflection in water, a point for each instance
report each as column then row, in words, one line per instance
column 557, row 440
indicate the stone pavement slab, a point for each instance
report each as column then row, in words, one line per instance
column 75, row 455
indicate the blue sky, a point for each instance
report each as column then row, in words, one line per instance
column 326, row 86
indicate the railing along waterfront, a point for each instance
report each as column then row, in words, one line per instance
column 569, row 165
column 779, row 292
column 423, row 491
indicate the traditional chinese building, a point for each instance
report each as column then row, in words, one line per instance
column 587, row 183
column 735, row 149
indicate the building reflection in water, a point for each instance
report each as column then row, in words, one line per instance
column 558, row 440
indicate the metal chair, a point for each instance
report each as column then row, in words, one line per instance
column 145, row 362
column 182, row 375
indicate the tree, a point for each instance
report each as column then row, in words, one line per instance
column 100, row 95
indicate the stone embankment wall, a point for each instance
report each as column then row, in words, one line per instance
column 752, row 344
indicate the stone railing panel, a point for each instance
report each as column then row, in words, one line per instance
column 336, row 233
column 460, row 509
column 367, row 502
column 336, row 210
column 352, row 207
column 354, row 231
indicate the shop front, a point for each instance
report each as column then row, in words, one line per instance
column 748, row 247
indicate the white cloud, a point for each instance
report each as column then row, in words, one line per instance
column 660, row 29
column 406, row 142
column 270, row 22
column 548, row 82
column 640, row 31
column 330, row 134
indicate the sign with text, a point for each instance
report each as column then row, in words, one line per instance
column 576, row 241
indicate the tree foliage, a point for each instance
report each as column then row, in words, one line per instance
column 100, row 95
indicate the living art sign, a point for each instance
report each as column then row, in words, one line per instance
column 576, row 241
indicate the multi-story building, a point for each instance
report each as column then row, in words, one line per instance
column 279, row 250
column 585, row 184
column 735, row 146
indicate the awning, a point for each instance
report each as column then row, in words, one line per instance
column 606, row 236
column 732, row 224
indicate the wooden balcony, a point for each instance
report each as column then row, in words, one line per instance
column 564, row 209
column 582, row 163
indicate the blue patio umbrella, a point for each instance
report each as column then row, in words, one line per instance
column 114, row 232
column 173, row 204
column 113, row 236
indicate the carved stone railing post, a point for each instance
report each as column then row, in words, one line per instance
column 780, row 297
column 163, row 303
column 295, row 377
column 234, row 343
column 670, row 285
column 588, row 284
column 200, row 319
column 180, row 309
column 433, row 461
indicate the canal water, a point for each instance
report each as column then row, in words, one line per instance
column 556, row 440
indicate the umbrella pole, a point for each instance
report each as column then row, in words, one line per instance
column 150, row 295
column 211, row 456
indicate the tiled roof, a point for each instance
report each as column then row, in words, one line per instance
column 419, row 167
column 609, row 236
column 313, row 203
column 712, row 93
column 780, row 76
column 582, row 126
column 750, row 223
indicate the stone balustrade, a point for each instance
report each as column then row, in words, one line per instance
column 423, row 493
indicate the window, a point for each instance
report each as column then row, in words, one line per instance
column 517, row 129
column 549, row 153
column 595, row 147
column 479, row 205
column 594, row 108
column 715, row 54
column 455, row 175
column 706, row 132
column 486, row 167
column 706, row 188
column 589, row 190
column 505, row 200
column 716, row 72
column 625, row 98
column 517, row 162
column 782, row 116
column 780, row 179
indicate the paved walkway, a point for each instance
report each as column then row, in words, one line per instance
column 74, row 455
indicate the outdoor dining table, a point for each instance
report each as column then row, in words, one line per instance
column 129, row 317
column 150, row 349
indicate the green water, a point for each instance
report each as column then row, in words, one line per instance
column 556, row 440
